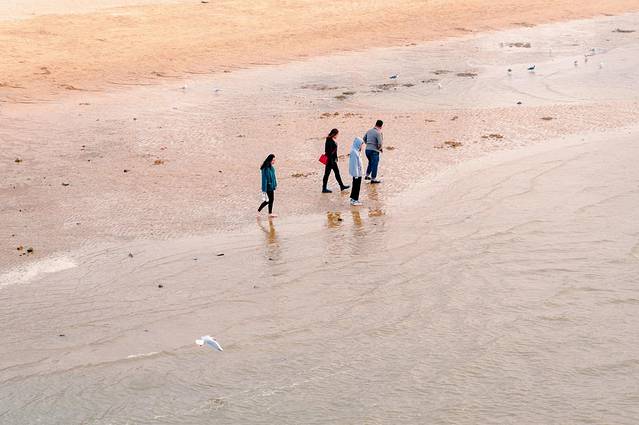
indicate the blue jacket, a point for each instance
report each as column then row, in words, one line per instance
column 269, row 182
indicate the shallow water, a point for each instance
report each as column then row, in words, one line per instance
column 502, row 291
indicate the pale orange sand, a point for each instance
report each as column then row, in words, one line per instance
column 51, row 54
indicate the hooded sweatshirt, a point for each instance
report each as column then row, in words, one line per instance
column 355, row 160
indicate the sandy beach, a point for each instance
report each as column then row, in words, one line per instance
column 504, row 285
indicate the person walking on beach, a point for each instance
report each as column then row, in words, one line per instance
column 355, row 170
column 373, row 139
column 269, row 184
column 330, row 150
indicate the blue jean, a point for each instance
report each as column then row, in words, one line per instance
column 373, row 162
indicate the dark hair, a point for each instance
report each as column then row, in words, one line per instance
column 267, row 162
column 379, row 123
column 333, row 133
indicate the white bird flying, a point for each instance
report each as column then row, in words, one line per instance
column 208, row 340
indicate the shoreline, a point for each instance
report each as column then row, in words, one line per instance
column 495, row 271
column 198, row 134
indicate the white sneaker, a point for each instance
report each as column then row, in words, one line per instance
column 355, row 203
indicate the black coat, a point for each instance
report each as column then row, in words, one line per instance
column 330, row 149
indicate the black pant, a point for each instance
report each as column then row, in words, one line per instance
column 271, row 199
column 357, row 183
column 331, row 165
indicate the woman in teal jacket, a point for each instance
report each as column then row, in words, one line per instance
column 269, row 184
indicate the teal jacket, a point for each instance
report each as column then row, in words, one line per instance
column 269, row 182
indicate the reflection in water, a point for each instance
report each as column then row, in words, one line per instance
column 273, row 249
column 359, row 231
column 357, row 220
column 373, row 194
column 333, row 219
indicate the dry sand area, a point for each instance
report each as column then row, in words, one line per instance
column 50, row 54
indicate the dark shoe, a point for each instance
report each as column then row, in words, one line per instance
column 345, row 187
column 367, row 178
column 327, row 191
column 375, row 181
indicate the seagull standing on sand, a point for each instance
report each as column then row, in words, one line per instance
column 576, row 63
column 439, row 86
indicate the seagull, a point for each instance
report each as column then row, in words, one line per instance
column 510, row 70
column 394, row 76
column 184, row 87
column 531, row 68
column 501, row 44
column 586, row 58
column 576, row 63
column 207, row 340
column 439, row 86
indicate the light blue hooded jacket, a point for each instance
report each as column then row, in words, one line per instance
column 355, row 160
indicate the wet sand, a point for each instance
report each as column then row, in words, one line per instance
column 500, row 291
column 89, row 171
column 490, row 279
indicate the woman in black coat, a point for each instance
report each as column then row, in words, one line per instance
column 330, row 149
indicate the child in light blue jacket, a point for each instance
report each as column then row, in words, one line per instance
column 355, row 170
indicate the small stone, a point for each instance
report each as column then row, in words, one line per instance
column 220, row 255
column 160, row 286
column 30, row 250
column 62, row 335
column 17, row 160
column 519, row 103
column 125, row 171
column 130, row 255
column 65, row 184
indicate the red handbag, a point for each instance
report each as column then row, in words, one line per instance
column 323, row 159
